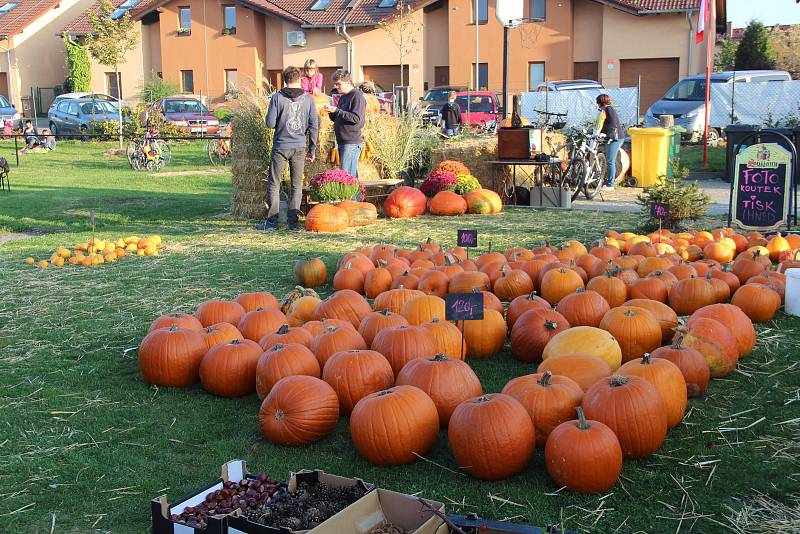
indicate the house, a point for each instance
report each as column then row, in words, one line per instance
column 31, row 56
column 210, row 47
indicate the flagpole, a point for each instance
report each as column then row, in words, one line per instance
column 710, row 41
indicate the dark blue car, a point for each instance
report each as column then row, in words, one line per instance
column 75, row 116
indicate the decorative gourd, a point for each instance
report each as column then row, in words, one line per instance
column 691, row 363
column 532, row 331
column 668, row 381
column 359, row 213
column 310, row 273
column 585, row 340
column 522, row 304
column 447, row 382
column 294, row 295
column 327, row 218
column 776, row 245
column 229, row 369
column 486, row 336
column 405, row 202
column 448, row 203
column 302, row 310
column 583, row 308
column 334, row 340
column 281, row 361
column 258, row 299
column 262, row 321
column 583, row 455
column 170, row 357
column 549, row 399
column 491, row 436
column 377, row 321
column 611, row 288
column 287, row 334
column 635, row 329
column 183, row 320
column 558, row 283
column 714, row 341
column 759, row 302
column 346, row 305
column 666, row 316
column 408, row 421
column 219, row 311
column 354, row 374
column 394, row 299
column 298, row 411
column 583, row 369
column 447, row 339
column 221, row 333
column 632, row 408
column 402, row 344
column 423, row 309
column 737, row 322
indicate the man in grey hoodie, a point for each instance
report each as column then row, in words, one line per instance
column 294, row 117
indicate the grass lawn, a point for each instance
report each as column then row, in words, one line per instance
column 86, row 443
column 692, row 157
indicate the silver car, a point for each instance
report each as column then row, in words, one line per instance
column 75, row 116
column 9, row 113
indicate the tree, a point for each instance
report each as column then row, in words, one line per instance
column 403, row 30
column 79, row 78
column 786, row 44
column 755, row 51
column 725, row 58
column 110, row 40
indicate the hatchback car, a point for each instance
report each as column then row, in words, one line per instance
column 9, row 113
column 91, row 96
column 434, row 98
column 189, row 114
column 75, row 116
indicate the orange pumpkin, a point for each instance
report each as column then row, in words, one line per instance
column 558, row 283
column 333, row 340
column 299, row 410
column 287, row 334
column 691, row 363
column 484, row 337
column 219, row 311
column 171, row 357
column 262, row 321
column 668, row 381
column 448, row 203
column 759, row 302
column 522, row 304
column 402, row 344
column 229, row 369
column 583, row 308
column 714, row 341
column 221, row 333
column 354, row 374
column 346, row 305
column 183, row 320
column 635, row 329
column 447, row 338
column 327, row 218
column 376, row 321
column 584, row 369
column 281, row 361
column 423, row 309
column 532, row 331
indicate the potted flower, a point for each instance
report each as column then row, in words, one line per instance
column 466, row 183
column 439, row 181
column 184, row 31
column 335, row 185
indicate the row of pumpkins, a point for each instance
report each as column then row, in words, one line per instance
column 97, row 251
column 399, row 366
column 401, row 203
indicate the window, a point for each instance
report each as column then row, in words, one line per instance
column 229, row 13
column 72, row 108
column 483, row 11
column 184, row 19
column 4, row 103
column 184, row 105
column 111, row 84
column 477, row 104
column 320, row 5
column 187, row 81
column 5, row 8
column 535, row 75
column 483, row 76
column 63, row 106
column 537, row 9
column 387, row 3
column 123, row 8
column 231, row 80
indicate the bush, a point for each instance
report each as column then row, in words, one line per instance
column 80, row 70
column 109, row 128
column 437, row 182
column 156, row 88
column 466, row 183
column 335, row 185
column 686, row 202
column 397, row 144
column 223, row 114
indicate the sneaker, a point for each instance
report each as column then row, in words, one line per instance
column 267, row 226
column 293, row 225
column 608, row 188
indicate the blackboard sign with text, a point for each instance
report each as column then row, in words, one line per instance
column 761, row 188
column 467, row 238
column 659, row 211
column 463, row 307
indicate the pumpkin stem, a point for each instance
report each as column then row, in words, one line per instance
column 382, row 263
column 550, row 325
column 582, row 423
column 629, row 313
column 618, row 380
column 283, row 329
column 646, row 359
column 278, row 346
column 435, row 320
column 174, row 328
column 385, row 312
column 330, row 329
column 482, row 399
column 400, row 286
column 235, row 342
column 545, row 380
column 384, row 392
column 279, row 415
column 439, row 358
column 678, row 343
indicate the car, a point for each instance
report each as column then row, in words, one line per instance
column 188, row 113
column 8, row 112
column 569, row 85
column 75, row 115
column 432, row 101
column 91, row 96
column 685, row 100
column 479, row 108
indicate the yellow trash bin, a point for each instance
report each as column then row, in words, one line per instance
column 649, row 154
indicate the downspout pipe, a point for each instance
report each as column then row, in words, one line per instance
column 10, row 72
column 689, row 47
column 350, row 47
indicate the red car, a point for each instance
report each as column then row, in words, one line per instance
column 484, row 107
column 189, row 114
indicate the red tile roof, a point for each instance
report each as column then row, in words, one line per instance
column 657, row 5
column 27, row 11
column 81, row 25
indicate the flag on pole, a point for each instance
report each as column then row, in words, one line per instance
column 701, row 21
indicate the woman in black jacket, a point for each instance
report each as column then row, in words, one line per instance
column 451, row 115
column 608, row 123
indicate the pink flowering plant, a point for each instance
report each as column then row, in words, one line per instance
column 335, row 185
column 436, row 182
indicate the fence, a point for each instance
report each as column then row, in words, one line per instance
column 580, row 106
column 769, row 104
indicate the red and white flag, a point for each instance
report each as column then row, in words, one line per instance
column 702, row 20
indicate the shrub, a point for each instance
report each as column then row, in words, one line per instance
column 397, row 144
column 685, row 200
column 466, row 183
column 436, row 182
column 223, row 114
column 79, row 67
column 156, row 87
column 451, row 166
column 336, row 185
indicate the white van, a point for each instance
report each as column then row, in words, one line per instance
column 685, row 99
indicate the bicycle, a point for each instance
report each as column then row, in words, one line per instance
column 219, row 150
column 138, row 159
column 587, row 168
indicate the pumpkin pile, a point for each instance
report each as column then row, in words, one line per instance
column 336, row 217
column 615, row 366
column 407, row 201
column 96, row 251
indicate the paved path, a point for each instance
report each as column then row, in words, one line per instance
column 624, row 199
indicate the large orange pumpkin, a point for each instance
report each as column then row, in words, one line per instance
column 447, row 338
column 423, row 309
column 759, row 302
column 714, row 341
column 584, row 369
column 558, row 283
column 511, row 284
column 183, row 320
column 448, row 203
column 405, row 202
column 447, row 382
column 376, row 321
column 737, row 322
column 171, row 357
column 281, row 361
column 583, row 308
column 585, row 340
column 298, row 411
column 333, row 340
column 219, row 311
column 611, row 288
column 221, row 333
column 327, row 218
column 635, row 329
column 491, row 436
column 484, row 337
column 522, row 304
column 287, row 334
column 346, row 305
column 402, row 344
column 310, row 273
column 666, row 316
column 354, row 374
column 668, row 381
column 468, row 281
column 690, row 294
column 359, row 213
column 259, row 299
column 262, row 321
column 408, row 420
column 229, row 369
column 483, row 201
column 532, row 331
column 691, row 363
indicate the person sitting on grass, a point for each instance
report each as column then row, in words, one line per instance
column 31, row 135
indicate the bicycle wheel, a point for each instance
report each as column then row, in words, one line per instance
column 132, row 148
column 216, row 152
column 575, row 176
column 597, row 178
column 166, row 152
column 137, row 161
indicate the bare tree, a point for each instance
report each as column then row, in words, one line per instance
column 403, row 30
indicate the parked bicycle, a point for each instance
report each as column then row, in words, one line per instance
column 149, row 153
column 219, row 149
column 587, row 166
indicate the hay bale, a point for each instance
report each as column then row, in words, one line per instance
column 249, row 211
column 249, row 197
column 475, row 153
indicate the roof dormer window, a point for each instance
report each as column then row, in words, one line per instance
column 5, row 8
column 320, row 5
column 387, row 3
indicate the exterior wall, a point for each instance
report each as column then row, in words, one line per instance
column 152, row 35
column 626, row 36
column 132, row 72
column 206, row 51
column 435, row 43
column 37, row 52
column 275, row 37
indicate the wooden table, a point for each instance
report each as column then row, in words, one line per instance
column 536, row 178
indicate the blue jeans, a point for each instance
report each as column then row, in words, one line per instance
column 450, row 132
column 348, row 158
column 612, row 149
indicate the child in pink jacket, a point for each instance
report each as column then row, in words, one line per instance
column 311, row 81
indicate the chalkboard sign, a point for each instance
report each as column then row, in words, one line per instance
column 463, row 307
column 762, row 183
column 659, row 210
column 467, row 238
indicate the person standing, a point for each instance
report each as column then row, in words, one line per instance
column 348, row 121
column 451, row 115
column 311, row 82
column 608, row 123
column 293, row 116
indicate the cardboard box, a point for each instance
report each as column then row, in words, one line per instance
column 160, row 509
column 382, row 506
column 472, row 524
column 238, row 524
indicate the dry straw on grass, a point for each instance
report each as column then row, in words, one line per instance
column 762, row 514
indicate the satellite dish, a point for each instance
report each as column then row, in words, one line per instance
column 509, row 12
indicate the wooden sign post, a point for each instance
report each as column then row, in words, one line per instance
column 463, row 307
column 660, row 211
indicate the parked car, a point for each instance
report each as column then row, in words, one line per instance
column 686, row 100
column 431, row 103
column 478, row 108
column 189, row 114
column 9, row 113
column 74, row 116
column 569, row 85
column 91, row 96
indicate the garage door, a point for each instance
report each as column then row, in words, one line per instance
column 658, row 75
column 385, row 75
column 4, row 84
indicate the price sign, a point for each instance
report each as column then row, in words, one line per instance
column 659, row 211
column 464, row 307
column 467, row 238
